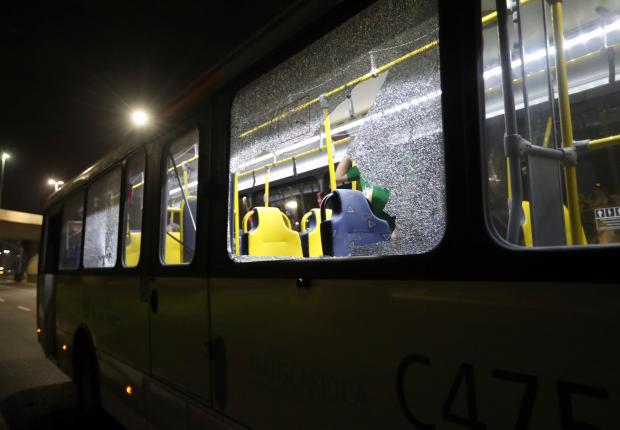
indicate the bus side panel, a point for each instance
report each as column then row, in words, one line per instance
column 46, row 314
column 180, row 335
column 118, row 319
column 127, row 408
column 386, row 354
column 71, row 305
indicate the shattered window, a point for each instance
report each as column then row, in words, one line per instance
column 71, row 235
column 102, row 216
column 339, row 151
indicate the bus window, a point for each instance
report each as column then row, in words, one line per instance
column 71, row 233
column 102, row 216
column 560, row 104
column 132, row 217
column 179, row 201
column 344, row 138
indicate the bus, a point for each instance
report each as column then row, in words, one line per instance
column 392, row 214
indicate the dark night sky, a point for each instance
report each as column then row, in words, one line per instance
column 70, row 71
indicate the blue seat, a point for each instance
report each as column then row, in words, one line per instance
column 352, row 223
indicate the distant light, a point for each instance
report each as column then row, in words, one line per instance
column 65, row 347
column 140, row 118
column 57, row 184
column 1, row 268
column 129, row 390
column 7, row 251
column 292, row 205
column 5, row 156
column 39, row 330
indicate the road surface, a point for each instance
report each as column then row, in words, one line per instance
column 34, row 393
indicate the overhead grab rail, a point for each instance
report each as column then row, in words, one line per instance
column 373, row 73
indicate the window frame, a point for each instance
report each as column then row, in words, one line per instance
column 490, row 226
column 274, row 61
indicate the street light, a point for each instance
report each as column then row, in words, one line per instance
column 57, row 184
column 5, row 157
column 140, row 118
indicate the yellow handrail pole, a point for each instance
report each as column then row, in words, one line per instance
column 185, row 182
column 246, row 218
column 547, row 133
column 266, row 196
column 604, row 142
column 304, row 221
column 328, row 142
column 566, row 126
column 236, row 210
column 508, row 178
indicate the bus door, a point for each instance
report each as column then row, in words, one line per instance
column 179, row 328
column 46, row 316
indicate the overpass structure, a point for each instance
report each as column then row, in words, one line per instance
column 20, row 233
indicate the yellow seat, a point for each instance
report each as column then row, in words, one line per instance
column 173, row 248
column 272, row 234
column 313, row 233
column 132, row 248
column 527, row 226
column 179, row 245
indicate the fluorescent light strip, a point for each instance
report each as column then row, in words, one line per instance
column 344, row 127
column 540, row 53
column 574, row 90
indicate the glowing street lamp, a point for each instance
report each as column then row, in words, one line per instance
column 140, row 118
column 5, row 157
column 57, row 184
